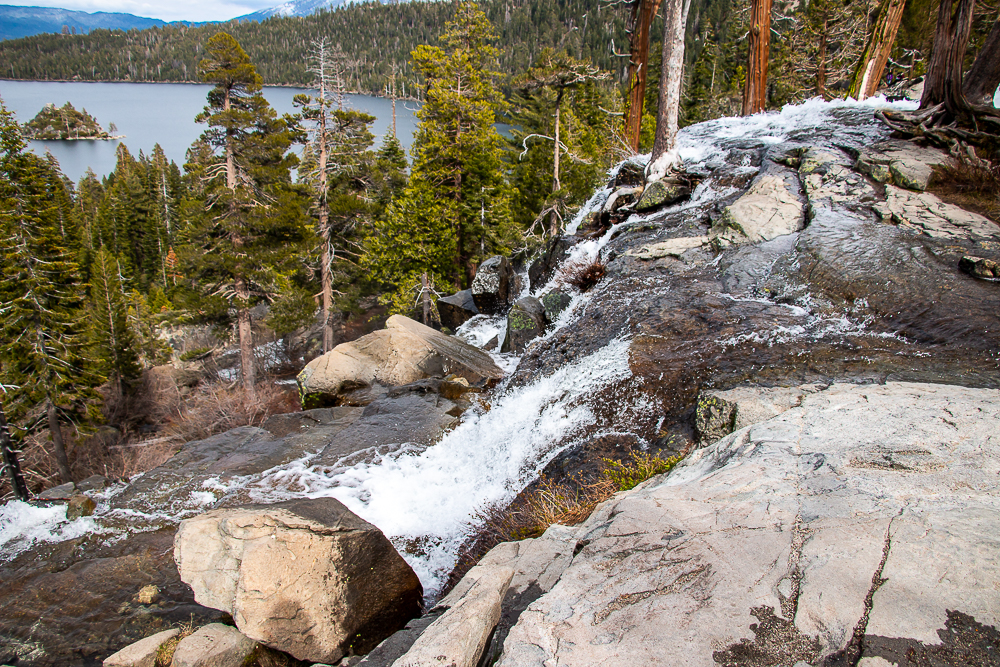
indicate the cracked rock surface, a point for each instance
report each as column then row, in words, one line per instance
column 860, row 523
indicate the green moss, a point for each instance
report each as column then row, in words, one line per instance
column 520, row 321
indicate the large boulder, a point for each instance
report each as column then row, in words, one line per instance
column 494, row 287
column 525, row 322
column 773, row 206
column 307, row 577
column 857, row 527
column 662, row 193
column 457, row 309
column 405, row 351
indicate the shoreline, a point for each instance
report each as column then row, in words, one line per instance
column 202, row 83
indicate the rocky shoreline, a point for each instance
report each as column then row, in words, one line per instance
column 801, row 315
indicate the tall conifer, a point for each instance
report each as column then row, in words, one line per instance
column 455, row 211
column 41, row 295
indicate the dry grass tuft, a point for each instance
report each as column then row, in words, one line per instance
column 215, row 408
column 581, row 274
column 566, row 504
column 970, row 182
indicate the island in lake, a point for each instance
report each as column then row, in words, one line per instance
column 66, row 123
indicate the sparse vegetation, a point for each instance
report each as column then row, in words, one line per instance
column 63, row 123
column 970, row 182
column 581, row 274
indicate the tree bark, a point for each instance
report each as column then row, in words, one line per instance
column 643, row 13
column 326, row 259
column 665, row 156
column 821, row 62
column 245, row 328
column 755, row 89
column 984, row 77
column 55, row 430
column 943, row 84
column 425, row 297
column 10, row 462
column 869, row 72
column 553, row 217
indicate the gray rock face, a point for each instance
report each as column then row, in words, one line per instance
column 61, row 492
column 493, row 288
column 903, row 163
column 405, row 351
column 525, row 322
column 926, row 213
column 719, row 413
column 307, row 577
column 772, row 207
column 459, row 636
column 457, row 309
column 674, row 247
column 213, row 645
column 661, row 193
column 863, row 512
column 142, row 653
column 553, row 252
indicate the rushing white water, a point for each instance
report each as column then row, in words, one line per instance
column 426, row 500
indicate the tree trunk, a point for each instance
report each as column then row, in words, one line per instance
column 55, row 430
column 821, row 61
column 869, row 72
column 326, row 255
column 245, row 328
column 755, row 90
column 426, row 298
column 943, row 84
column 553, row 217
column 10, row 462
column 665, row 156
column 984, row 77
column 643, row 13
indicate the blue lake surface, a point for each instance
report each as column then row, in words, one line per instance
column 160, row 113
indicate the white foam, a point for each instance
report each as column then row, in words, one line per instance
column 425, row 500
column 22, row 524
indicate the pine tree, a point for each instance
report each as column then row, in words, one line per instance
column 112, row 341
column 252, row 212
column 455, row 211
column 41, row 295
column 333, row 168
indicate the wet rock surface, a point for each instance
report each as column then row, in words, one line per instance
column 843, row 526
column 494, row 287
column 457, row 309
column 525, row 322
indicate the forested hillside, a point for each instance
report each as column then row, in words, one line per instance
column 376, row 39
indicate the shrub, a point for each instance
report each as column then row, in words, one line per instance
column 629, row 474
column 581, row 274
column 970, row 182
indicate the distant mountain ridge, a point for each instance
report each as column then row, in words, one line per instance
column 18, row 22
column 302, row 8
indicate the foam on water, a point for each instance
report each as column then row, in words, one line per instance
column 21, row 525
column 427, row 500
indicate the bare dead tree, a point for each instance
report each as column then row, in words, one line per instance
column 872, row 64
column 665, row 156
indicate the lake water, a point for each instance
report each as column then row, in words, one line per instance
column 163, row 113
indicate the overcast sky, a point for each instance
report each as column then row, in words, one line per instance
column 167, row 10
